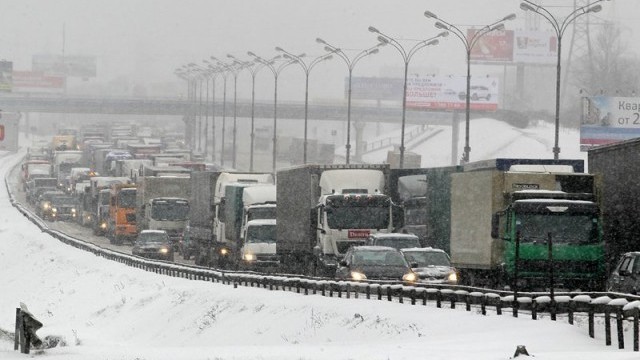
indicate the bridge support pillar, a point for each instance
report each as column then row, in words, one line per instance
column 359, row 130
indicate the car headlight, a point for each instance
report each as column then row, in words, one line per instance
column 103, row 225
column 224, row 251
column 164, row 250
column 249, row 257
column 73, row 210
column 356, row 275
column 452, row 278
column 54, row 210
column 410, row 277
column 46, row 206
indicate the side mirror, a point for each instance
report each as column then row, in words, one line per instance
column 495, row 224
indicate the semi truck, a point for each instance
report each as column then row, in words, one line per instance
column 323, row 210
column 422, row 195
column 63, row 162
column 162, row 203
column 121, row 225
column 616, row 166
column 94, row 208
column 512, row 221
column 227, row 215
column 250, row 224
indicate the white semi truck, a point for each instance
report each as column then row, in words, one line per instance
column 323, row 210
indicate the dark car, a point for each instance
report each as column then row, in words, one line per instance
column 63, row 207
column 375, row 263
column 625, row 278
column 432, row 265
column 44, row 208
column 395, row 240
column 153, row 244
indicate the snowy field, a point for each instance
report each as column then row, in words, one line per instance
column 105, row 310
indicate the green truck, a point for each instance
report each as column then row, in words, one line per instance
column 526, row 222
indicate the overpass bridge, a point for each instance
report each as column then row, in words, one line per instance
column 163, row 106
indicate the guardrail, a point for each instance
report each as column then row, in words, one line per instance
column 622, row 307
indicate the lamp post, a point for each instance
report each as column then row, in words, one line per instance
column 307, row 69
column 469, row 42
column 559, row 27
column 234, row 68
column 270, row 64
column 224, row 70
column 184, row 74
column 351, row 63
column 406, row 57
column 253, row 67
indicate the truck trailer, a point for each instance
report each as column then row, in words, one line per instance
column 617, row 168
column 525, row 222
column 323, row 210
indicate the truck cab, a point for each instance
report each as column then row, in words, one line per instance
column 258, row 248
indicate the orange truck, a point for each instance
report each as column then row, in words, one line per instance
column 121, row 225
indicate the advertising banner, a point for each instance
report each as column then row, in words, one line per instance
column 374, row 88
column 9, row 130
column 6, row 76
column 535, row 47
column 607, row 120
column 449, row 93
column 494, row 46
column 37, row 81
column 70, row 66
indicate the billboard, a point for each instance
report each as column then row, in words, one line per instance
column 374, row 88
column 535, row 47
column 449, row 93
column 6, row 76
column 607, row 120
column 70, row 66
column 37, row 81
column 494, row 46
column 519, row 46
column 9, row 122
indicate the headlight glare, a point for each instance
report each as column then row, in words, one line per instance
column 164, row 250
column 410, row 277
column 453, row 278
column 249, row 257
column 356, row 275
column 224, row 251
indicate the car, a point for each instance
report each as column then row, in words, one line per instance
column 374, row 263
column 625, row 278
column 395, row 240
column 44, row 208
column 63, row 207
column 477, row 92
column 153, row 244
column 432, row 265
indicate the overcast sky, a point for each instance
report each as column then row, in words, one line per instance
column 147, row 39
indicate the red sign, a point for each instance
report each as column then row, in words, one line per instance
column 358, row 234
column 492, row 46
column 36, row 81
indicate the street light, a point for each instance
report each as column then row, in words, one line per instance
column 224, row 69
column 307, row 69
column 185, row 74
column 235, row 67
column 406, row 56
column 469, row 43
column 559, row 28
column 253, row 67
column 351, row 63
column 270, row 64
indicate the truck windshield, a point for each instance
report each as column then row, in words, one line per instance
column 127, row 199
column 564, row 228
column 171, row 210
column 261, row 234
column 259, row 213
column 397, row 243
